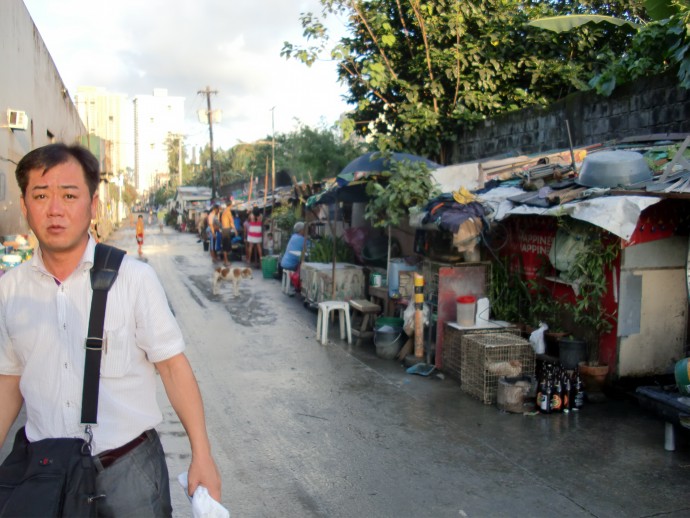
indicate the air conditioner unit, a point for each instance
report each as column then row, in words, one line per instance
column 17, row 120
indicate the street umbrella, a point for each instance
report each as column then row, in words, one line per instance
column 373, row 163
column 350, row 185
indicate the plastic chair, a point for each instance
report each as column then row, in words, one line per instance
column 286, row 284
column 325, row 309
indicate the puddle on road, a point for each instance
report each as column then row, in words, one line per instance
column 250, row 308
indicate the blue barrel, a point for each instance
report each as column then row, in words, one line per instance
column 397, row 266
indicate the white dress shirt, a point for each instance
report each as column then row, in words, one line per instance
column 43, row 325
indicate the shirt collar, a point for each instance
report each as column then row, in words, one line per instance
column 85, row 264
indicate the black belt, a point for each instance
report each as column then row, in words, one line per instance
column 110, row 456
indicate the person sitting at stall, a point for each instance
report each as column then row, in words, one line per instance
column 290, row 261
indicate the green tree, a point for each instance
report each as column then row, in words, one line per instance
column 315, row 153
column 307, row 153
column 177, row 158
column 418, row 73
column 655, row 48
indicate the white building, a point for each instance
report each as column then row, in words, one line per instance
column 35, row 106
column 155, row 118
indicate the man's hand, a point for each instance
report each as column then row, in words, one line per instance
column 183, row 393
column 12, row 401
column 204, row 472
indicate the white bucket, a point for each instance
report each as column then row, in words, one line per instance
column 466, row 308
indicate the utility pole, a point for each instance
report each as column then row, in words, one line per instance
column 273, row 151
column 209, row 114
column 179, row 160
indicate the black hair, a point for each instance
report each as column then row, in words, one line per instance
column 47, row 157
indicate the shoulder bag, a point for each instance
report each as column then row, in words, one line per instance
column 57, row 477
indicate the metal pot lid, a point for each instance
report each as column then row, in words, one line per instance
column 613, row 169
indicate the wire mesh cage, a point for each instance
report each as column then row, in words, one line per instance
column 452, row 346
column 485, row 357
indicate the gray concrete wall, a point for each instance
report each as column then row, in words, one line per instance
column 32, row 84
column 651, row 105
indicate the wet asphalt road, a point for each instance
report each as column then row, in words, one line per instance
column 305, row 430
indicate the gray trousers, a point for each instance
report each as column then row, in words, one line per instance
column 136, row 485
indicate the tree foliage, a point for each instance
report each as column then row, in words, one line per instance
column 309, row 154
column 315, row 153
column 419, row 72
column 658, row 47
column 393, row 193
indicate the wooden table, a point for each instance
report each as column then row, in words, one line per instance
column 379, row 295
column 368, row 310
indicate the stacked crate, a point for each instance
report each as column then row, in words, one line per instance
column 452, row 345
column 486, row 357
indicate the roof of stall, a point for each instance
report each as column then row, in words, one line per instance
column 548, row 185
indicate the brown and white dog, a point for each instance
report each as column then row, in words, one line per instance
column 231, row 274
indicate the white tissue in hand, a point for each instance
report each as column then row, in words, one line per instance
column 203, row 505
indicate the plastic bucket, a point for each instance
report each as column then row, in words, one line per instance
column 682, row 373
column 269, row 265
column 389, row 321
column 466, row 309
column 388, row 341
column 571, row 352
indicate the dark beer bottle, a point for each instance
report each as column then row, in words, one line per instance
column 557, row 394
column 567, row 392
column 578, row 392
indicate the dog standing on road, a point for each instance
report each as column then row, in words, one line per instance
column 230, row 274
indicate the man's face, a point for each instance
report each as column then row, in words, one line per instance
column 58, row 207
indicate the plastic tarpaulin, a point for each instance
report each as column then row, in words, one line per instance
column 616, row 214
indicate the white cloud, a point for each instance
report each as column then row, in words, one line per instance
column 132, row 47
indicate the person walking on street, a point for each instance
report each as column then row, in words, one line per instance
column 216, row 240
column 227, row 223
column 210, row 219
column 44, row 309
column 140, row 234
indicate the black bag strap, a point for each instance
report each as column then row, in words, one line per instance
column 106, row 262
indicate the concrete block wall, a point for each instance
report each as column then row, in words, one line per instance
column 650, row 105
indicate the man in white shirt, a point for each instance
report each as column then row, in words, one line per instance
column 44, row 312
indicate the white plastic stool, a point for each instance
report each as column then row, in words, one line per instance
column 325, row 309
column 286, row 284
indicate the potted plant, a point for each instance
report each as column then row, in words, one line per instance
column 508, row 293
column 588, row 273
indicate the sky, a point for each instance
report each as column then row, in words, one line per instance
column 184, row 46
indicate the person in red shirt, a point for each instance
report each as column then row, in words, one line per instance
column 254, row 236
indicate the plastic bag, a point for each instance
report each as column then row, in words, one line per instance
column 565, row 248
column 536, row 339
column 203, row 505
column 409, row 315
